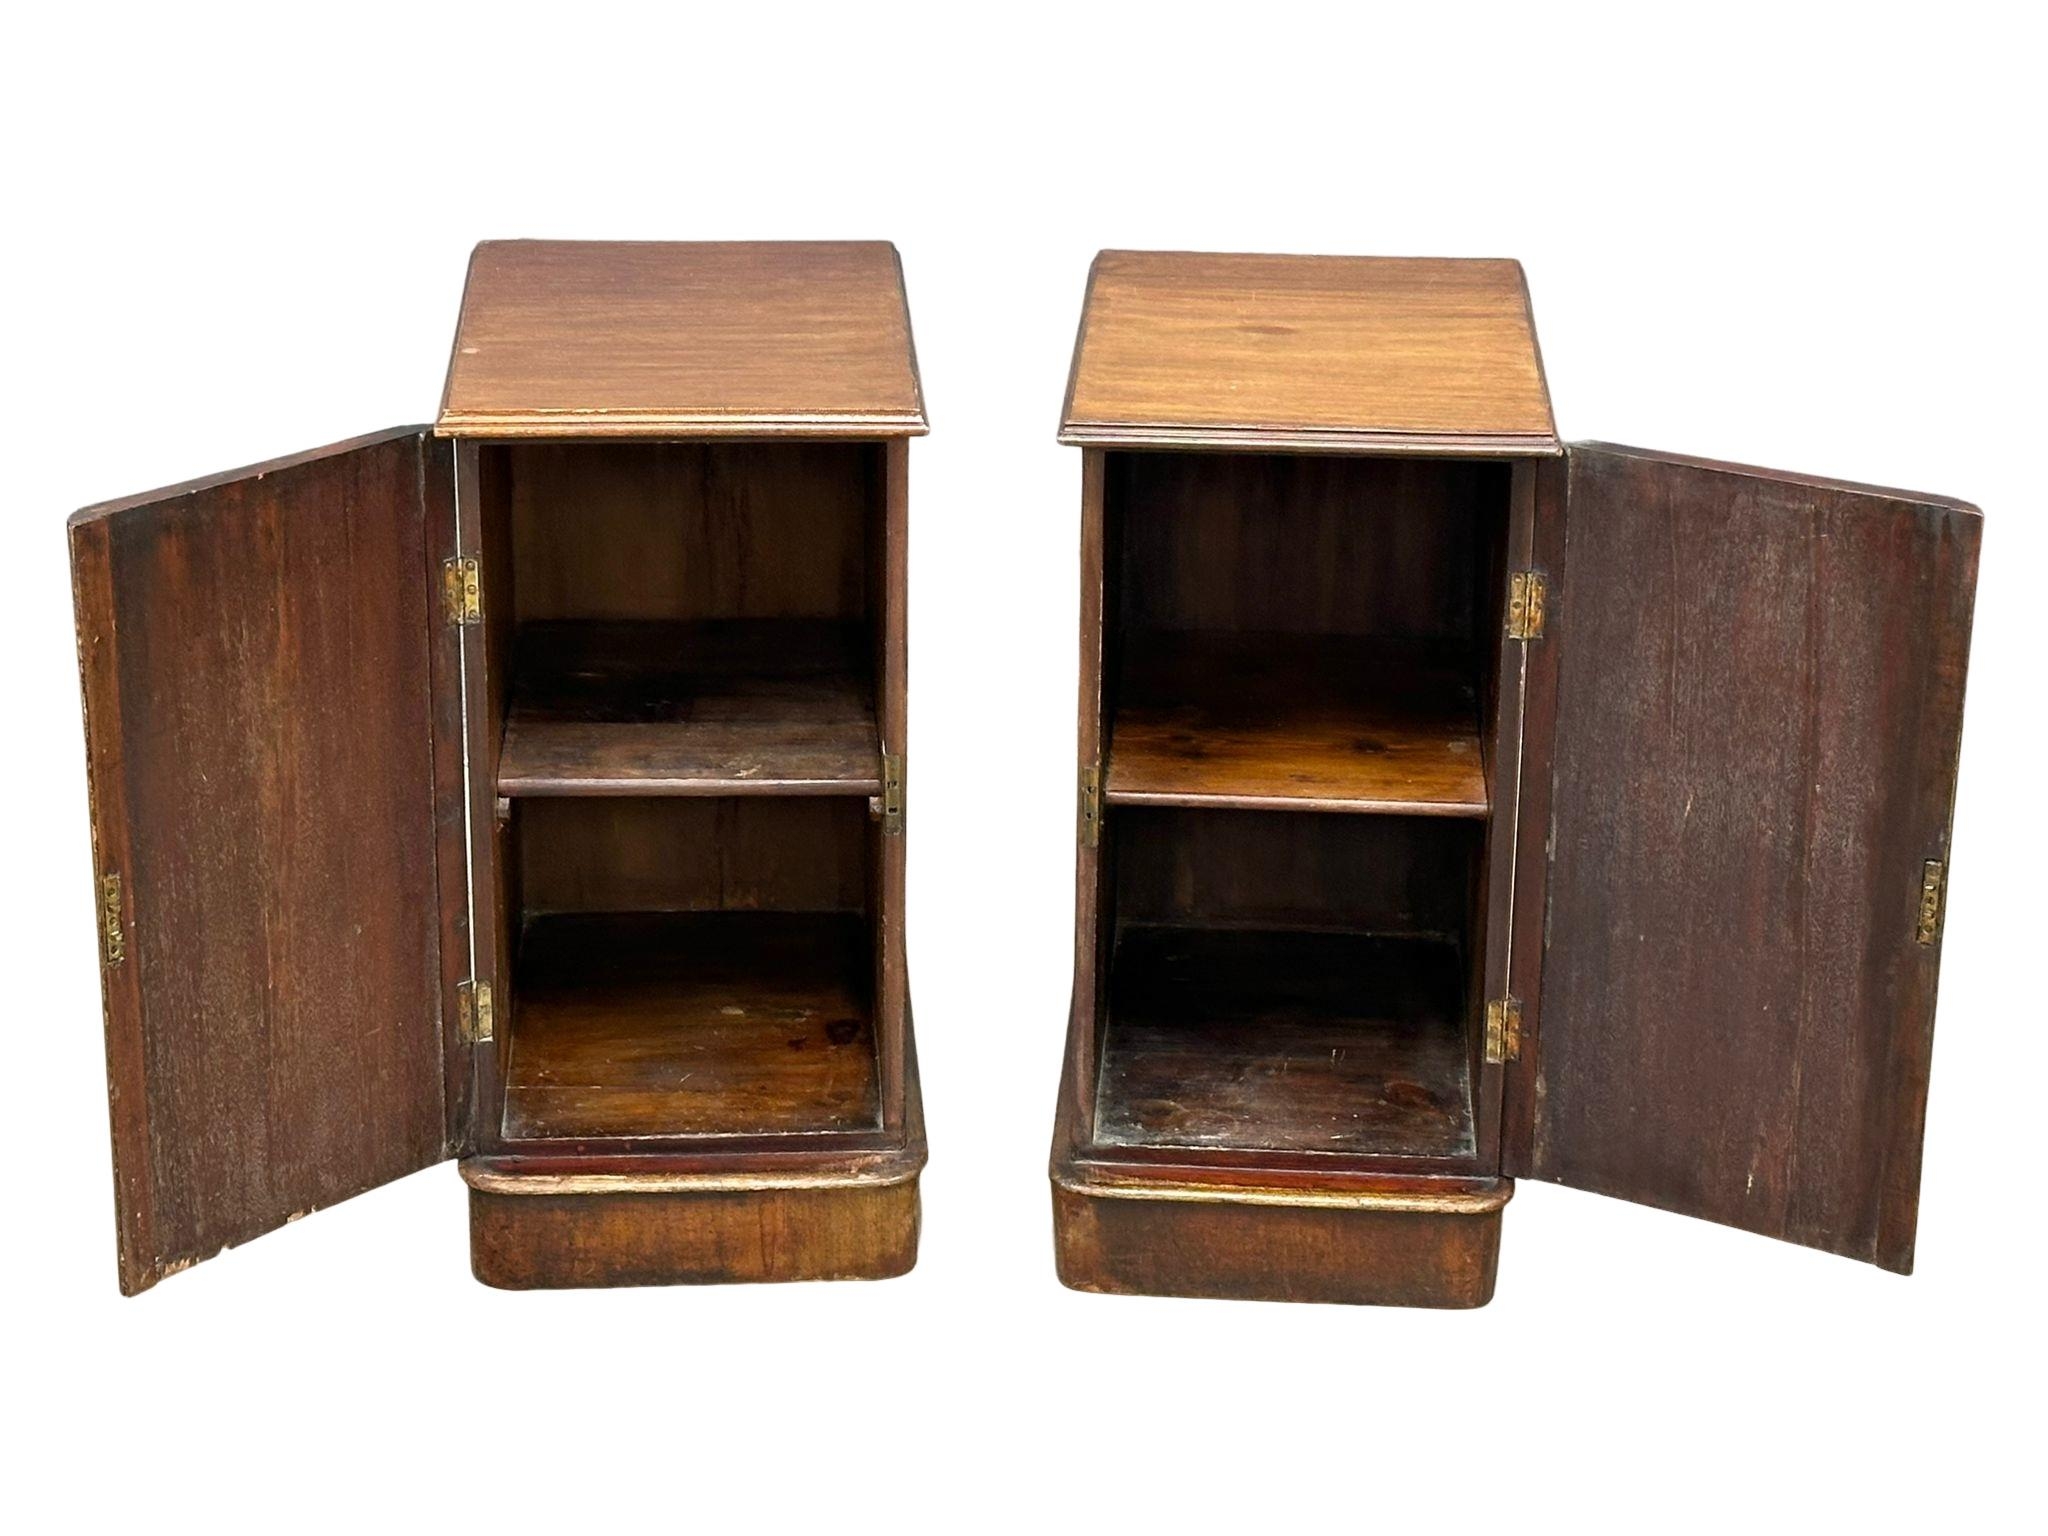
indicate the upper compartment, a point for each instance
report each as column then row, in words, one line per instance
column 1334, row 354
column 563, row 338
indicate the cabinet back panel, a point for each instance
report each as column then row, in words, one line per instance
column 1292, row 869
column 804, row 854
column 1302, row 544
column 690, row 530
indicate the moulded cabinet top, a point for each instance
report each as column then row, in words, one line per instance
column 570, row 338
column 1334, row 353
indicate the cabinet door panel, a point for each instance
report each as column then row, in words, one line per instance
column 256, row 662
column 1760, row 685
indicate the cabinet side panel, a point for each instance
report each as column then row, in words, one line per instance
column 1091, row 919
column 1759, row 706
column 892, row 994
column 451, row 781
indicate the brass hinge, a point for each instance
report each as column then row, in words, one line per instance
column 1091, row 806
column 113, row 937
column 1503, row 1030
column 462, row 591
column 473, row 1004
column 1526, row 592
column 892, row 794
column 1933, row 893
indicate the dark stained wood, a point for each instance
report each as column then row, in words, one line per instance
column 451, row 789
column 732, row 1023
column 888, row 852
column 1267, row 870
column 256, row 651
column 1496, row 917
column 638, row 804
column 1268, row 1245
column 687, row 531
column 1517, row 1076
column 1304, row 544
column 1292, row 722
column 765, row 853
column 1758, row 710
column 1334, row 353
column 563, row 338
column 1094, row 923
column 1294, row 999
column 854, row 1231
column 1268, row 1039
column 483, row 510
column 765, row 706
column 795, row 1209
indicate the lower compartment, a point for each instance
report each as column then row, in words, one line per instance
column 692, row 1024
column 1312, row 1042
column 659, row 1231
column 1402, row 1248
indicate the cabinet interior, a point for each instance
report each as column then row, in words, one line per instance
column 1300, row 663
column 685, row 645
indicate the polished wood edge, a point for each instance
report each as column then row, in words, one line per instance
column 554, row 787
column 138, row 1266
column 1536, row 347
column 1459, row 1198
column 1783, row 477
column 1247, row 439
column 481, row 1173
column 1080, row 341
column 1113, row 795
column 920, row 415
column 669, row 1237
column 662, row 426
column 247, row 472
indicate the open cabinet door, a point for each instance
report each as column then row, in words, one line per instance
column 1759, row 695
column 268, row 785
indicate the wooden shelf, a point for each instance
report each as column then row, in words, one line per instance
column 742, row 707
column 1286, row 1041
column 692, row 1024
column 1285, row 722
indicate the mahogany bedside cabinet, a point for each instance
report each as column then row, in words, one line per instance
column 530, row 789
column 1457, row 805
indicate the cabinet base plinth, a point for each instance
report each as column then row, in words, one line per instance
column 544, row 1232
column 1406, row 1248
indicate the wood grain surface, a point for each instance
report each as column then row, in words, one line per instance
column 1313, row 1042
column 256, row 654
column 735, row 707
column 711, row 1024
column 1337, row 353
column 1387, row 1247
column 1288, row 722
column 1759, row 701
column 847, row 1230
column 562, row 338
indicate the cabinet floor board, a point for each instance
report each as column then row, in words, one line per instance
column 1286, row 1041
column 719, row 1023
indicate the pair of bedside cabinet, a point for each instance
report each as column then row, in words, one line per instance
column 1454, row 805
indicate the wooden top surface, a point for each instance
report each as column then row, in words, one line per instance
column 1337, row 353
column 567, row 338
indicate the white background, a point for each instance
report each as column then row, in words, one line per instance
column 1804, row 242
